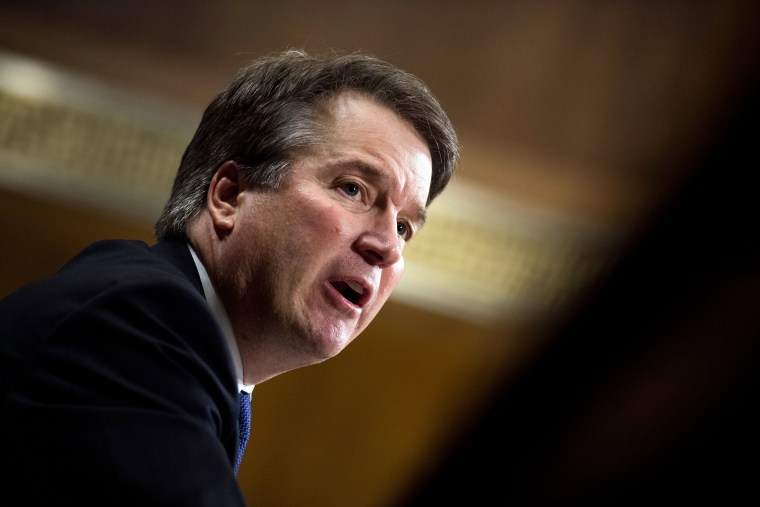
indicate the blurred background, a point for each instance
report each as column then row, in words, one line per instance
column 578, row 320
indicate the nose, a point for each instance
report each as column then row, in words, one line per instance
column 379, row 243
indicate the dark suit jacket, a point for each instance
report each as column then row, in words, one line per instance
column 116, row 385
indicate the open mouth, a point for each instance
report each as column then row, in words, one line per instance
column 349, row 290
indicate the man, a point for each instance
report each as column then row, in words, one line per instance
column 283, row 236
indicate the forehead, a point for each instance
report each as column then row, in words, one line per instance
column 352, row 111
column 362, row 131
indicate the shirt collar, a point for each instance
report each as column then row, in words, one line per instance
column 224, row 321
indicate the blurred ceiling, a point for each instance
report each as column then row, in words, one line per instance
column 578, row 120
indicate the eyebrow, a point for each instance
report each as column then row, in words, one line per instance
column 421, row 217
column 374, row 172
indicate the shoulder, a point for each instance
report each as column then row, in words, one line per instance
column 118, row 290
column 119, row 266
column 116, row 305
column 148, row 290
column 128, row 259
column 121, row 350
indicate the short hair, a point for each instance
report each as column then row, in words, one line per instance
column 272, row 107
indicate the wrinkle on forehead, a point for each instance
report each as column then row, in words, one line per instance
column 338, row 106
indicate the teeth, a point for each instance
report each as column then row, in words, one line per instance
column 356, row 287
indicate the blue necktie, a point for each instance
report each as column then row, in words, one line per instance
column 245, row 426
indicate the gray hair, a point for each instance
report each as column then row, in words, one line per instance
column 271, row 108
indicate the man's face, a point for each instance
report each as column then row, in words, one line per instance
column 309, row 265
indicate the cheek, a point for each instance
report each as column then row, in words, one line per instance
column 390, row 278
column 327, row 223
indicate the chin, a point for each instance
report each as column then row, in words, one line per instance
column 327, row 345
column 329, row 349
column 324, row 338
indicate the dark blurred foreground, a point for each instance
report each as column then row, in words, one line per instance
column 649, row 392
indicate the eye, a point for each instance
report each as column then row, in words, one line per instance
column 403, row 230
column 351, row 189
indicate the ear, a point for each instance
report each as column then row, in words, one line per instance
column 223, row 199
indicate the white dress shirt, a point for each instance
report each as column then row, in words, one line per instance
column 224, row 321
